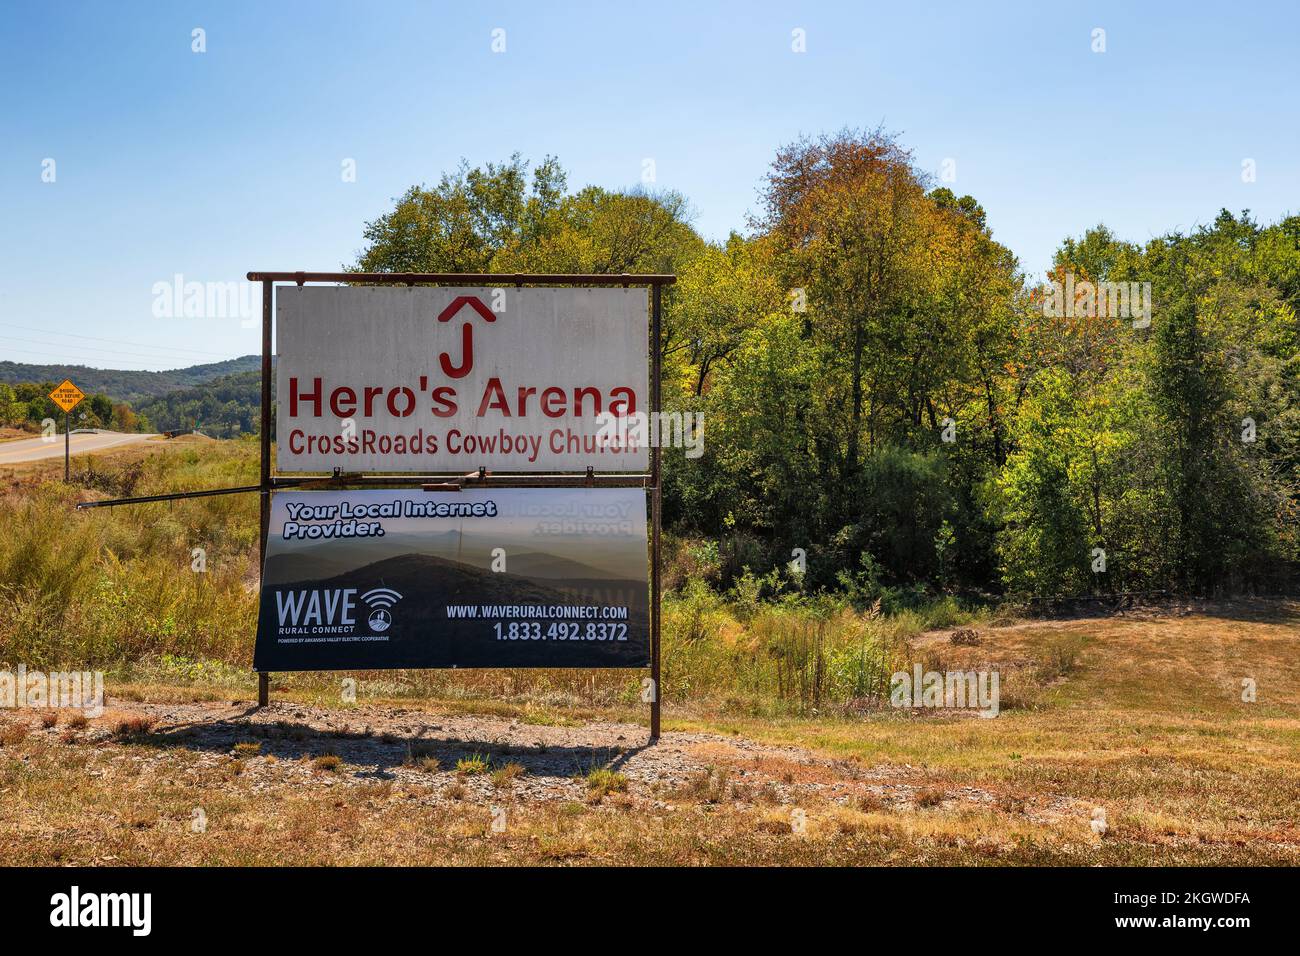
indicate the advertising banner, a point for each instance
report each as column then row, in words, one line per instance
column 448, row 380
column 511, row 577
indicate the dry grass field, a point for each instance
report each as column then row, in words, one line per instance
column 1137, row 716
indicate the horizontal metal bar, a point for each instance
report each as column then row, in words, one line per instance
column 466, row 278
column 172, row 496
column 465, row 481
column 506, row 477
column 447, row 482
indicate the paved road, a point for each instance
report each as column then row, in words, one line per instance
column 36, row 449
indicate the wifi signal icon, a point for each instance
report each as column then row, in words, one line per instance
column 380, row 600
column 381, row 597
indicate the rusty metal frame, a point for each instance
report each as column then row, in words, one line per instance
column 487, row 279
column 269, row 482
column 171, row 496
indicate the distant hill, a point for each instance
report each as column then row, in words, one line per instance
column 531, row 564
column 223, row 407
column 124, row 385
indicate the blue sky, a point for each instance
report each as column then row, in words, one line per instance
column 209, row 165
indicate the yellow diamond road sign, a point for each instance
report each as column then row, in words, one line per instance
column 67, row 395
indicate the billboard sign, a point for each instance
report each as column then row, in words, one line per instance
column 450, row 380
column 509, row 577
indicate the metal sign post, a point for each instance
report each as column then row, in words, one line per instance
column 67, row 396
column 264, row 480
column 655, row 514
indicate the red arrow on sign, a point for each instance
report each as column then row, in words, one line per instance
column 466, row 336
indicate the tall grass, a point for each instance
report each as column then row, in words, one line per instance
column 100, row 588
column 796, row 658
column 113, row 589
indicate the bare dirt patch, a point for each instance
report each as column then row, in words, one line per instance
column 458, row 757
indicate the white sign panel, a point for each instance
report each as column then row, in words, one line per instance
column 431, row 380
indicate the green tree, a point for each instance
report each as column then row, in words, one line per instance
column 8, row 404
column 462, row 223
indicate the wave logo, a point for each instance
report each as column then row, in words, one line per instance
column 379, row 600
